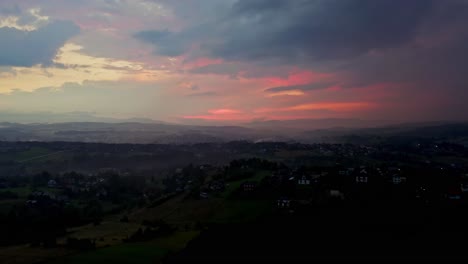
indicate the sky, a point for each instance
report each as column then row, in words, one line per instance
column 234, row 61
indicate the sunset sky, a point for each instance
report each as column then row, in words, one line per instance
column 236, row 60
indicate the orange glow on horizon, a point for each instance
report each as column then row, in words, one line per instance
column 330, row 106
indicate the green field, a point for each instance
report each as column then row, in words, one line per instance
column 233, row 186
column 24, row 155
column 22, row 192
column 6, row 205
column 240, row 210
column 139, row 253
column 179, row 212
column 34, row 154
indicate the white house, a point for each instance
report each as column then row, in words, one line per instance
column 304, row 180
column 397, row 179
column 52, row 184
column 283, row 203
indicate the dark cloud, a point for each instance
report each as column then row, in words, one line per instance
column 232, row 70
column 28, row 48
column 297, row 30
column 304, row 88
column 419, row 42
column 10, row 9
column 167, row 43
column 438, row 56
column 320, row 30
column 244, row 70
column 253, row 7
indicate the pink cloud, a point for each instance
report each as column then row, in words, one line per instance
column 224, row 111
column 223, row 114
column 298, row 77
column 329, row 106
column 201, row 62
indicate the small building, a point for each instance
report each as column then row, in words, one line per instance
column 454, row 193
column 52, row 183
column 304, row 180
column 283, row 203
column 464, row 187
column 216, row 186
column 249, row 186
column 204, row 195
column 361, row 179
column 362, row 176
column 398, row 179
column 336, row 194
column 101, row 193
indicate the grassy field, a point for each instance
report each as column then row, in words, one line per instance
column 109, row 232
column 125, row 253
column 34, row 154
column 24, row 155
column 233, row 186
column 240, row 210
column 6, row 205
column 179, row 212
column 26, row 254
column 139, row 253
column 22, row 192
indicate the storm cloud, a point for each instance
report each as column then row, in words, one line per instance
column 29, row 48
column 304, row 88
column 298, row 30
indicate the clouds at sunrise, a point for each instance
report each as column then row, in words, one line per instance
column 236, row 60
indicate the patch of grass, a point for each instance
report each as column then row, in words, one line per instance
column 50, row 190
column 109, row 232
column 233, row 186
column 22, row 192
column 148, row 252
column 241, row 210
column 176, row 241
column 6, row 205
column 26, row 254
column 31, row 153
column 138, row 253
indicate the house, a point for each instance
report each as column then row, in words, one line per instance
column 216, row 186
column 101, row 193
column 336, row 194
column 454, row 193
column 304, row 180
column 362, row 179
column 52, row 183
column 421, row 193
column 204, row 195
column 249, row 186
column 464, row 187
column 283, row 203
column 362, row 176
column 398, row 179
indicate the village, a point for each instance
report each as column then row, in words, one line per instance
column 109, row 206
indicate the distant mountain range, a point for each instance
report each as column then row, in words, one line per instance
column 85, row 127
column 312, row 124
column 49, row 117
